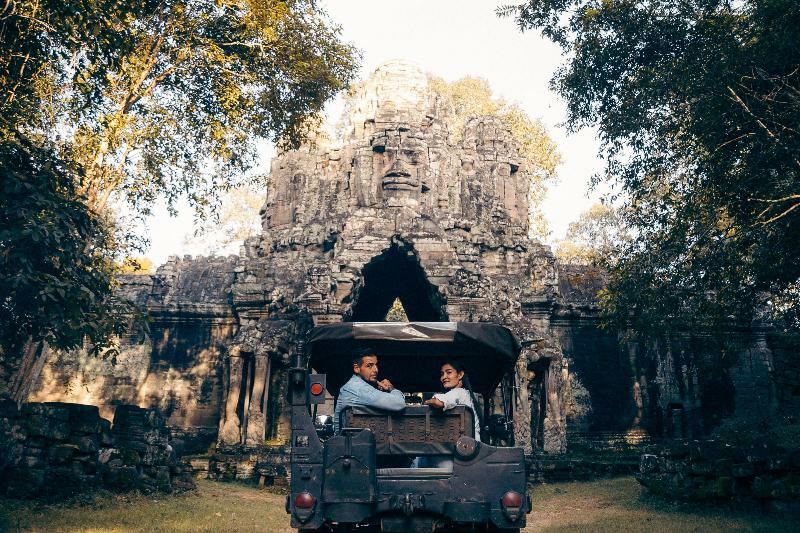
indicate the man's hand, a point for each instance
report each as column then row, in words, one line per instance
column 385, row 385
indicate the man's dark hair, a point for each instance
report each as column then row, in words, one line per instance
column 361, row 353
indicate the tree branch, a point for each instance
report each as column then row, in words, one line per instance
column 760, row 123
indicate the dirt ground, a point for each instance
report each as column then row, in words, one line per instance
column 604, row 505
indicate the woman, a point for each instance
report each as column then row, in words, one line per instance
column 458, row 392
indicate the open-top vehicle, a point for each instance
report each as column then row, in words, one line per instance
column 362, row 479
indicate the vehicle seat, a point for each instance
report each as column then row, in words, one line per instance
column 414, row 431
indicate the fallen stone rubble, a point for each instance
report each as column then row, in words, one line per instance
column 54, row 450
column 266, row 465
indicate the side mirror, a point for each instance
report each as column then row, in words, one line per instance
column 324, row 426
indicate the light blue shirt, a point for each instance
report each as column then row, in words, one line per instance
column 358, row 392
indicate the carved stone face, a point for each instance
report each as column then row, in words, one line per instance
column 401, row 160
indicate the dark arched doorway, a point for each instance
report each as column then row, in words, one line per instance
column 397, row 274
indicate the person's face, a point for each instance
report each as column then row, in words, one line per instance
column 368, row 369
column 450, row 377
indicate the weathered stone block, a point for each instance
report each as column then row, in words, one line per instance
column 723, row 487
column 106, row 437
column 129, row 456
column 162, row 479
column 24, row 482
column 702, row 468
column 121, row 478
column 56, row 410
column 47, row 427
column 777, row 462
column 666, row 464
column 723, row 466
column 62, row 454
column 87, row 444
column 33, row 462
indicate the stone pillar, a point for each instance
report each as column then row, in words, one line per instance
column 230, row 425
column 555, row 427
column 256, row 414
column 522, row 406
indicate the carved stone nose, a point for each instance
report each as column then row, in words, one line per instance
column 398, row 169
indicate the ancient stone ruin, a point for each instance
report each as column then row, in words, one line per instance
column 399, row 207
column 56, row 450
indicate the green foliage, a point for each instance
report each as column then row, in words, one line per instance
column 45, row 44
column 134, row 100
column 397, row 313
column 56, row 254
column 595, row 238
column 138, row 266
column 236, row 220
column 56, row 265
column 182, row 112
column 697, row 104
column 472, row 97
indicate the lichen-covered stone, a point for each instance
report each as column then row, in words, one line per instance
column 82, row 454
column 708, row 473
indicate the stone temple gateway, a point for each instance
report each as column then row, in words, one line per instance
column 395, row 211
column 400, row 207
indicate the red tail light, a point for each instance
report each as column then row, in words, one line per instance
column 304, row 500
column 512, row 499
column 317, row 389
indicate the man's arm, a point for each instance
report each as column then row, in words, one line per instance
column 390, row 401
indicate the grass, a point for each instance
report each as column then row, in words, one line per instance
column 606, row 505
column 621, row 504
column 213, row 507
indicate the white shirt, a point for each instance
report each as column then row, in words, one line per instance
column 460, row 396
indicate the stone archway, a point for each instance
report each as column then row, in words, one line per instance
column 397, row 274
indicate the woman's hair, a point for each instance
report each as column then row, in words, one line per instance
column 459, row 366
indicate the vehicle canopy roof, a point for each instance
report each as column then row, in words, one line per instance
column 410, row 354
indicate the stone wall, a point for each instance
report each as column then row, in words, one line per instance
column 786, row 371
column 56, row 450
column 713, row 470
column 173, row 365
column 683, row 386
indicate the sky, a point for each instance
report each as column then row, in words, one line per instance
column 450, row 39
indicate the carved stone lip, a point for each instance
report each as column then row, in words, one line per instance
column 396, row 174
column 399, row 181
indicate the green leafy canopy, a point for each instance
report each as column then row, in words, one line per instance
column 105, row 100
column 698, row 106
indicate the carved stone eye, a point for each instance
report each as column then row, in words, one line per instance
column 378, row 148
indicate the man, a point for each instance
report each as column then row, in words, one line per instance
column 363, row 388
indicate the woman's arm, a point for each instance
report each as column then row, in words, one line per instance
column 450, row 399
column 434, row 402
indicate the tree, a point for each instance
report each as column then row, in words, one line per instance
column 595, row 238
column 183, row 111
column 137, row 266
column 697, row 104
column 56, row 254
column 135, row 99
column 57, row 260
column 470, row 97
column 237, row 219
